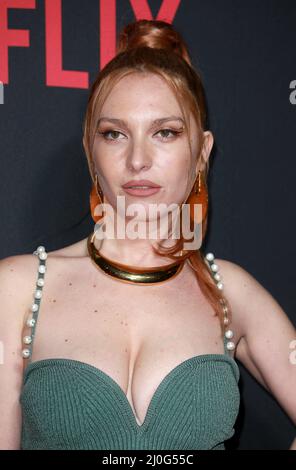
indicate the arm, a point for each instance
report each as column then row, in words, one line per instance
column 15, row 299
column 265, row 346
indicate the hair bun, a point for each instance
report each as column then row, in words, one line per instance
column 152, row 33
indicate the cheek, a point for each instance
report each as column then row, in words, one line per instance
column 104, row 165
column 180, row 178
column 108, row 163
column 177, row 186
column 178, row 171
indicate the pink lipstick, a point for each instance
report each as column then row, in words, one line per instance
column 141, row 188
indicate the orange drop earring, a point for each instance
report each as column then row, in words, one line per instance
column 198, row 195
column 96, row 198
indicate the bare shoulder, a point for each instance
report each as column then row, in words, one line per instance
column 251, row 302
column 17, row 278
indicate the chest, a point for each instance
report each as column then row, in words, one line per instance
column 134, row 334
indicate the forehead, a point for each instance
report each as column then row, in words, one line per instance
column 141, row 94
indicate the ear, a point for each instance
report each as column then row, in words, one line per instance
column 206, row 150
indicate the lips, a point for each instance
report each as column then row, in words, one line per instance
column 142, row 192
column 140, row 183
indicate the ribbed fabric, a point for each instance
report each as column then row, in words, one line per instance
column 69, row 404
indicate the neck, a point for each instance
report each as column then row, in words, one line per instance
column 137, row 251
column 133, row 252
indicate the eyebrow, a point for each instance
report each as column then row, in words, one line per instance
column 155, row 121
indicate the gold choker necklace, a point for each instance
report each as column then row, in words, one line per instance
column 132, row 274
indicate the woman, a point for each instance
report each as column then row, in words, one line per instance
column 136, row 340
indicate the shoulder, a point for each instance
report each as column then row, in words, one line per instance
column 258, row 315
column 15, row 272
column 249, row 299
column 19, row 271
column 18, row 276
column 237, row 281
column 233, row 271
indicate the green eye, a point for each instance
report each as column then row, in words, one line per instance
column 168, row 130
column 166, row 137
column 175, row 133
column 104, row 134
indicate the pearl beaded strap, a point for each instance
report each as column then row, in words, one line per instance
column 230, row 345
column 31, row 322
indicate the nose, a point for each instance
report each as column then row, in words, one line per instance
column 139, row 157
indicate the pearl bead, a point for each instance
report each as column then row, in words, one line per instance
column 220, row 285
column 40, row 282
column 225, row 309
column 210, row 256
column 34, row 307
column 40, row 249
column 214, row 267
column 230, row 345
column 229, row 334
column 38, row 294
column 226, row 321
column 42, row 255
column 217, row 276
column 31, row 322
column 27, row 339
column 42, row 268
column 26, row 352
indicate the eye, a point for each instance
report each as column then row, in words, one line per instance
column 171, row 131
column 105, row 133
column 111, row 131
